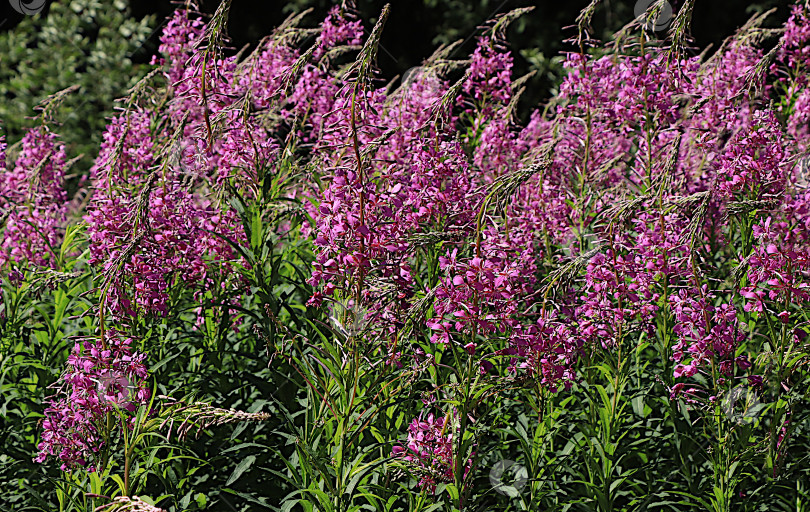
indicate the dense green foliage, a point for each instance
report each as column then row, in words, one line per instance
column 324, row 398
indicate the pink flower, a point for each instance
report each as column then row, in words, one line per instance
column 429, row 449
column 100, row 379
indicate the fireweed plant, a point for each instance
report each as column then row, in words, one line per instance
column 387, row 291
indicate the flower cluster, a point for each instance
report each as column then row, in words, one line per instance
column 147, row 229
column 103, row 380
column 706, row 332
column 429, row 449
column 754, row 162
column 779, row 267
column 490, row 73
column 33, row 200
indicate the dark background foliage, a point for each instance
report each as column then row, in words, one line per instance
column 416, row 27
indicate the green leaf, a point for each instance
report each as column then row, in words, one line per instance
column 241, row 468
